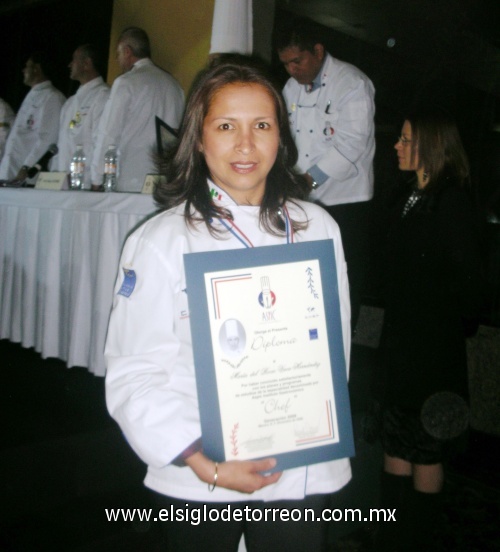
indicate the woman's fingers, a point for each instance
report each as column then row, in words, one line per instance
column 247, row 476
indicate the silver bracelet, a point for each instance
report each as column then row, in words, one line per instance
column 211, row 486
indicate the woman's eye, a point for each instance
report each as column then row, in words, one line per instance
column 263, row 126
column 225, row 126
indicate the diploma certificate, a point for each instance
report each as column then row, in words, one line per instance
column 269, row 356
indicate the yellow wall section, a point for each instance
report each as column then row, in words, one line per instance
column 179, row 31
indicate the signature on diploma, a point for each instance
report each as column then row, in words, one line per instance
column 277, row 405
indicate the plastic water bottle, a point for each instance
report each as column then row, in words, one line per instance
column 110, row 169
column 77, row 169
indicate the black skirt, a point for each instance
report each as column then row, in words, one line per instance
column 404, row 436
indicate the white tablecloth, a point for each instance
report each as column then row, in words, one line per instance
column 59, row 255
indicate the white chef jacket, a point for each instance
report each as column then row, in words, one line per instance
column 128, row 121
column 34, row 130
column 333, row 128
column 150, row 381
column 80, row 117
column 6, row 121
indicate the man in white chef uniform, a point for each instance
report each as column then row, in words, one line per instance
column 37, row 122
column 143, row 92
column 331, row 109
column 81, row 113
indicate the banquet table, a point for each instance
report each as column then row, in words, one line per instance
column 59, row 254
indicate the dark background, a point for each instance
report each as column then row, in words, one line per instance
column 54, row 26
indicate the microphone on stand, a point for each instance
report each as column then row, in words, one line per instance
column 31, row 171
column 42, row 162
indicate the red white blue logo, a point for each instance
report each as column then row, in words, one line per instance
column 267, row 297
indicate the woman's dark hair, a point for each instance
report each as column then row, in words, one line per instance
column 436, row 141
column 187, row 171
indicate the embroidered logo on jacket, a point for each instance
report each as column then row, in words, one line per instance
column 128, row 284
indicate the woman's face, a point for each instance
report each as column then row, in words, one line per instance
column 404, row 146
column 240, row 140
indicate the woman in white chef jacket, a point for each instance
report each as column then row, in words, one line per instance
column 234, row 187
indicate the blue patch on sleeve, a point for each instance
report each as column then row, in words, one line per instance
column 128, row 283
column 313, row 334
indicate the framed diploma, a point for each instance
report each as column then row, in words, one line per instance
column 269, row 354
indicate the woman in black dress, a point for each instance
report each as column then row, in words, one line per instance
column 432, row 283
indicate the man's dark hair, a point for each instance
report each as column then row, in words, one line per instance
column 137, row 40
column 300, row 32
column 188, row 171
column 41, row 58
column 95, row 56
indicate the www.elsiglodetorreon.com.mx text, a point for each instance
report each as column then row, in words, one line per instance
column 195, row 516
